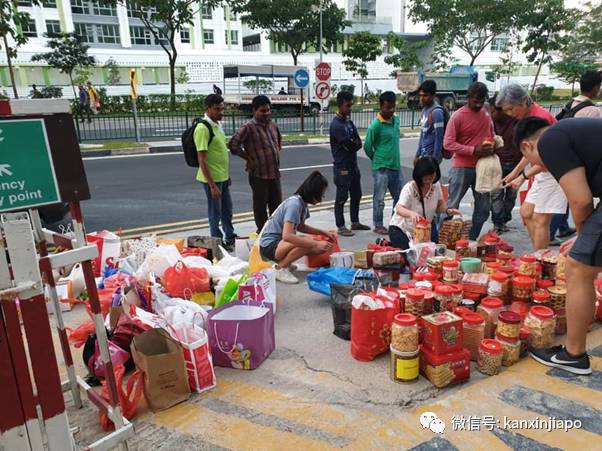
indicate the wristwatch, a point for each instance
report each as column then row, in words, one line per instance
column 524, row 174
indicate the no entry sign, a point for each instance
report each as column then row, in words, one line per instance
column 323, row 71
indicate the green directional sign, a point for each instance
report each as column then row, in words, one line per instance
column 27, row 177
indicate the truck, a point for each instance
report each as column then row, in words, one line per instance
column 452, row 86
column 278, row 86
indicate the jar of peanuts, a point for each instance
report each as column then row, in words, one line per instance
column 511, row 348
column 492, row 267
column 456, row 294
column 525, row 340
column 541, row 297
column 490, row 357
column 543, row 284
column 404, row 333
column 520, row 307
column 443, row 298
column 504, row 259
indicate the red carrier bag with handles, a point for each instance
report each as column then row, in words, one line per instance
column 371, row 327
column 318, row 261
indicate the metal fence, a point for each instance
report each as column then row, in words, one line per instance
column 171, row 125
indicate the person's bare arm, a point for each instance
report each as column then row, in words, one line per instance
column 577, row 191
column 289, row 235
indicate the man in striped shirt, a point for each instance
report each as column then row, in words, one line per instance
column 432, row 123
column 259, row 142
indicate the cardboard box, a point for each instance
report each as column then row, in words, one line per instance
column 445, row 369
column 442, row 332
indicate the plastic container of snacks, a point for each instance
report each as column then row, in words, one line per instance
column 520, row 307
column 450, row 271
column 511, row 349
column 499, row 285
column 528, row 266
column 474, row 332
column 404, row 333
column 542, row 324
column 422, row 231
column 522, row 288
column 490, row 357
column 443, row 298
column 541, row 297
column 557, row 297
column 462, row 249
column 414, row 301
column 542, row 284
column 525, row 340
column 490, row 309
column 404, row 366
column 492, row 267
column 508, row 324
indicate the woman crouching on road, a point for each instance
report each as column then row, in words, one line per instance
column 279, row 241
column 420, row 198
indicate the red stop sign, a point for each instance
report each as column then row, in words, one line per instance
column 323, row 71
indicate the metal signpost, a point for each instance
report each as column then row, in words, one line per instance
column 134, row 95
column 301, row 79
column 322, row 89
column 40, row 164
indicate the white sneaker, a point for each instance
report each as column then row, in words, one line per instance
column 285, row 276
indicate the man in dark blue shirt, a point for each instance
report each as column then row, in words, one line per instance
column 344, row 144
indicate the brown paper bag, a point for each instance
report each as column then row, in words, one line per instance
column 162, row 360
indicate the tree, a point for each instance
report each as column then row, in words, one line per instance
column 589, row 33
column 182, row 77
column 470, row 25
column 82, row 75
column 572, row 66
column 294, row 24
column 363, row 47
column 67, row 51
column 113, row 75
column 12, row 22
column 164, row 20
column 508, row 63
column 547, row 23
column 406, row 57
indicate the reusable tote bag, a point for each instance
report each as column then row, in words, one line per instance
column 241, row 334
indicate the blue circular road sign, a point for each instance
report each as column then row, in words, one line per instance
column 301, row 78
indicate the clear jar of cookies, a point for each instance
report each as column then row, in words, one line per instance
column 542, row 324
column 528, row 266
column 404, row 333
column 422, row 231
column 490, row 357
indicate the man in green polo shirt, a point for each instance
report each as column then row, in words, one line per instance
column 213, row 171
column 382, row 147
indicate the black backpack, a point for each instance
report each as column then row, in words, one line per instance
column 188, row 146
column 568, row 112
column 444, row 152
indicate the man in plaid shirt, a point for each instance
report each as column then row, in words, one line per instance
column 259, row 142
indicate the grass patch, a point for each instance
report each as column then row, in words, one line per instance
column 113, row 145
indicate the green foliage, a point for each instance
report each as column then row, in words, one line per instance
column 470, row 25
column 588, row 33
column 363, row 47
column 82, row 75
column 570, row 69
column 547, row 23
column 48, row 92
column 543, row 93
column 154, row 103
column 406, row 57
column 294, row 24
column 508, row 63
column 113, row 75
column 348, row 88
column 67, row 51
column 260, row 86
column 182, row 78
column 441, row 55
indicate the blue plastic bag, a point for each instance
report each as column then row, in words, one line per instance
column 320, row 280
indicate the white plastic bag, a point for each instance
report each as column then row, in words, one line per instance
column 196, row 262
column 177, row 311
column 242, row 248
column 76, row 277
column 489, row 174
column 157, row 261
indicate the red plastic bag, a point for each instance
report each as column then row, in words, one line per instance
column 105, row 297
column 194, row 252
column 180, row 280
column 128, row 398
column 80, row 334
column 318, row 261
column 371, row 329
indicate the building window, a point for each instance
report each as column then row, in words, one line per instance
column 97, row 33
column 206, row 12
column 185, row 35
column 49, row 3
column 78, row 7
column 476, row 41
column 233, row 37
column 499, row 43
column 53, row 27
column 208, row 36
column 140, row 36
column 232, row 15
column 24, row 3
column 29, row 29
column 103, row 9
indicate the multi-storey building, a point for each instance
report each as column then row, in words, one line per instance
column 215, row 38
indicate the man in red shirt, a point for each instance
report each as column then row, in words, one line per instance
column 469, row 135
column 545, row 197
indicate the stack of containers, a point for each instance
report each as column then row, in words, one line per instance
column 404, row 348
column 444, row 360
column 508, row 334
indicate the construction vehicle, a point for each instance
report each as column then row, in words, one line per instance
column 452, row 86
